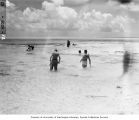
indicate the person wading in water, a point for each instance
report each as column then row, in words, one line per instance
column 68, row 43
column 54, row 60
column 84, row 59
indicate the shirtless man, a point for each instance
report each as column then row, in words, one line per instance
column 54, row 60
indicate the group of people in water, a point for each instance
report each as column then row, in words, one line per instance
column 55, row 58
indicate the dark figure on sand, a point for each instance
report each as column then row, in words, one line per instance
column 30, row 47
column 68, row 43
column 84, row 59
column 126, row 62
column 54, row 60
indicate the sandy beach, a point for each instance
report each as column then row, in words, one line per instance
column 27, row 86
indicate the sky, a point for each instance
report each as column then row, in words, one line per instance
column 72, row 18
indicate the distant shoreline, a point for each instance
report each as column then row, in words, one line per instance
column 76, row 38
column 41, row 41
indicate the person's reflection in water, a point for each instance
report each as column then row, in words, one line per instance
column 127, row 62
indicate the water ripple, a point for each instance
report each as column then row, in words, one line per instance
column 4, row 74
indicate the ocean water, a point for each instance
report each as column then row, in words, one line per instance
column 27, row 86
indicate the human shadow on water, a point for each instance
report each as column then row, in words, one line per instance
column 127, row 70
column 127, row 63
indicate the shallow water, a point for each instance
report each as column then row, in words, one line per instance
column 28, row 87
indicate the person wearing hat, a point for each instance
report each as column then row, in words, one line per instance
column 54, row 60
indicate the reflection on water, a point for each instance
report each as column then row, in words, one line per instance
column 28, row 87
column 4, row 69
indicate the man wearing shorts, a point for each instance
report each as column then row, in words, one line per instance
column 54, row 60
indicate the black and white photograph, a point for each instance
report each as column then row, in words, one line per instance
column 69, row 57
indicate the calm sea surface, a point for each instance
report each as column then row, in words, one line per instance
column 28, row 87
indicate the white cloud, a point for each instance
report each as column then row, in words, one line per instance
column 48, row 6
column 33, row 15
column 112, row 3
column 67, row 13
column 97, row 21
column 10, row 5
column 76, row 2
column 131, row 7
column 122, row 23
column 54, row 16
column 58, row 2
column 51, row 16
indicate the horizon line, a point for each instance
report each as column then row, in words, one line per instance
column 70, row 38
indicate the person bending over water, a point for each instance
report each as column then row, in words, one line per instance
column 84, row 59
column 30, row 48
column 54, row 60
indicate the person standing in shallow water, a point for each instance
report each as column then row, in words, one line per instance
column 84, row 59
column 54, row 60
column 80, row 52
column 68, row 43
